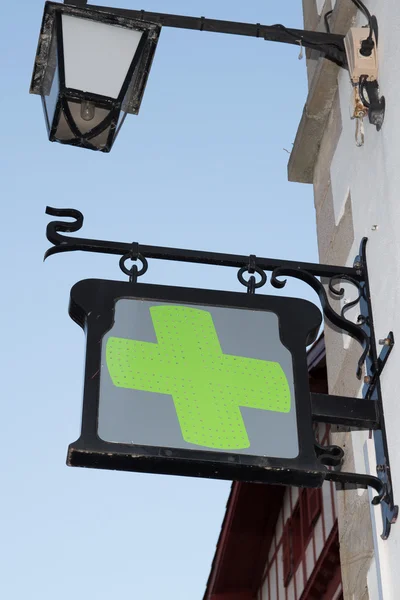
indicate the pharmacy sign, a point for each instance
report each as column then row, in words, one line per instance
column 215, row 384
column 195, row 382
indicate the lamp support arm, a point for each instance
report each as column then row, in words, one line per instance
column 329, row 45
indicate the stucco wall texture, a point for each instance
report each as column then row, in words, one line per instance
column 357, row 194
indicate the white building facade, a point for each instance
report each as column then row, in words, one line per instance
column 357, row 194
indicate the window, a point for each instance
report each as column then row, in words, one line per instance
column 297, row 538
column 298, row 530
column 292, row 545
column 287, row 558
column 311, row 500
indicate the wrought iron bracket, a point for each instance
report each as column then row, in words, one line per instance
column 330, row 45
column 372, row 380
column 360, row 413
column 372, row 392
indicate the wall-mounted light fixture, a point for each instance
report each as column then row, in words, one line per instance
column 92, row 64
column 91, row 69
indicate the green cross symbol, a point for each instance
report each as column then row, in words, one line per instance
column 208, row 387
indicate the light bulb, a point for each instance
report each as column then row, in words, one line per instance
column 88, row 110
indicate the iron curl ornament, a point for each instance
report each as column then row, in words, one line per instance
column 338, row 320
column 315, row 464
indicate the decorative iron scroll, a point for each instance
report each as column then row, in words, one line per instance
column 362, row 414
column 338, row 320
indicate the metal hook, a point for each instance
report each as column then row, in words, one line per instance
column 252, row 268
column 301, row 55
column 133, row 272
column 360, row 132
column 360, row 111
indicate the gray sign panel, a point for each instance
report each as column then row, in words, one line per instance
column 197, row 377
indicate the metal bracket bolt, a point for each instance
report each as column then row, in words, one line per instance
column 386, row 342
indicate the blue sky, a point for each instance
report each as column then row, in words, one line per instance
column 203, row 166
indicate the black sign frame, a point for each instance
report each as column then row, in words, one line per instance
column 92, row 307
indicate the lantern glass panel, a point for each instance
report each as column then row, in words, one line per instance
column 100, row 141
column 125, row 103
column 123, row 113
column 64, row 133
column 51, row 99
column 97, row 56
column 51, row 82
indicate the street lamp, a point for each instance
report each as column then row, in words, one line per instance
column 92, row 64
column 91, row 70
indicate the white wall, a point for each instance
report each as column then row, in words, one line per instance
column 372, row 175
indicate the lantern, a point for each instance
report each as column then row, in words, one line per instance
column 91, row 70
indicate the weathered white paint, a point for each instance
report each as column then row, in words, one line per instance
column 300, row 584
column 372, row 175
column 281, row 586
column 318, row 538
column 328, row 510
column 310, row 563
column 290, row 593
column 338, row 592
column 295, row 495
column 272, row 581
column 374, row 578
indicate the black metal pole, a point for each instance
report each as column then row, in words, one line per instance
column 76, row 2
column 329, row 44
column 63, row 243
